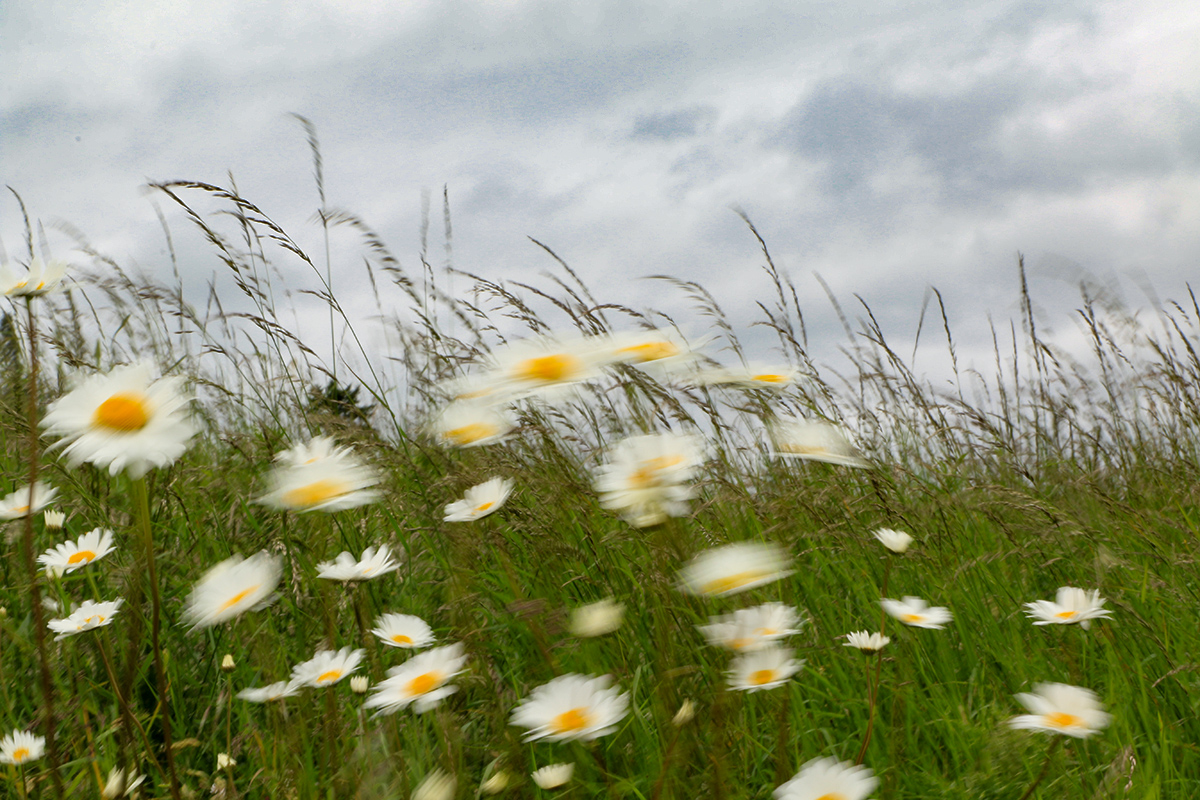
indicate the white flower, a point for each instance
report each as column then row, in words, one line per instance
column 232, row 587
column 117, row 784
column 88, row 616
column 763, row 669
column 1061, row 708
column 327, row 667
column 896, row 541
column 829, row 779
column 479, row 501
column 656, row 351
column 749, row 629
column 123, row 420
column 17, row 505
column 553, row 776
column 422, row 681
column 224, row 761
column 1070, row 606
column 21, row 747
column 436, row 786
column 734, row 568
column 867, row 642
column 273, row 691
column 542, row 365
column 359, row 684
column 39, row 279
column 466, row 423
column 753, row 376
column 915, row 612
column 70, row 556
column 403, row 630
column 596, row 619
column 317, row 476
column 814, row 440
column 685, row 714
column 572, row 707
column 373, row 564
column 55, row 520
column 645, row 479
column 496, row 783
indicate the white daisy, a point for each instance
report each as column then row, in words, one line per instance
column 762, row 669
column 327, row 667
column 749, row 629
column 734, row 568
column 644, row 480
column 753, row 376
column 596, row 619
column 867, row 642
column 372, row 564
column 479, row 501
column 55, row 520
column 896, row 541
column 273, row 691
column 814, row 440
column 916, row 612
column 1061, row 708
column 553, row 776
column 658, row 351
column 38, row 279
column 546, row 364
column 437, row 785
column 70, row 556
column 120, row 785
column 403, row 630
column 17, row 505
column 422, row 681
column 466, row 423
column 88, row 616
column 828, row 779
column 1070, row 606
column 123, row 420
column 572, row 707
column 232, row 587
column 21, row 747
column 317, row 476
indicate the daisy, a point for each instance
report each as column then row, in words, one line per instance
column 479, row 501
column 572, row 707
column 40, row 278
column 644, row 480
column 118, row 784
column 327, row 667
column 1069, row 606
column 814, row 440
column 123, row 420
column 762, row 669
column 317, row 476
column 403, row 630
column 70, row 556
column 754, row 376
column 829, row 779
column 270, row 692
column 17, row 504
column 373, row 564
column 55, row 520
column 542, row 365
column 422, row 681
column 496, row 783
column 734, row 568
column 1061, row 708
column 915, row 612
column 553, row 776
column 436, row 786
column 596, row 619
column 749, row 629
column 232, row 587
column 896, row 541
column 657, row 351
column 867, row 642
column 466, row 423
column 88, row 616
column 21, row 747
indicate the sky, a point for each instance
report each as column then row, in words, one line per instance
column 886, row 147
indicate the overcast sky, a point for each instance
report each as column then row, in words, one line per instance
column 887, row 146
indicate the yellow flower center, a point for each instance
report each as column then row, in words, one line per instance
column 649, row 471
column 483, row 507
column 237, row 598
column 122, row 412
column 20, row 754
column 85, row 556
column 548, row 369
column 315, row 493
column 400, row 638
column 576, row 719
column 650, row 351
column 913, row 619
column 1066, row 614
column 1061, row 719
column 95, row 619
column 424, row 683
column 328, row 676
column 469, row 434
column 832, row 796
column 739, row 644
column 770, row 378
column 766, row 631
column 762, row 677
column 730, row 583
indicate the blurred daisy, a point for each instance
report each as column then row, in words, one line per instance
column 545, row 364
column 70, row 556
column 327, row 667
column 763, row 669
column 656, row 351
column 814, row 440
column 232, row 587
column 436, row 786
column 318, row 476
column 596, row 619
column 372, row 564
column 867, row 642
column 88, row 616
column 644, row 480
column 421, row 681
column 123, row 420
column 40, row 278
column 915, row 612
column 17, row 505
column 734, row 568
column 827, row 779
column 896, row 541
column 553, row 776
column 572, row 707
column 359, row 684
column 479, row 501
column 21, row 747
column 495, row 783
column 466, row 423
column 749, row 629
column 1061, row 708
column 118, row 784
column 403, row 630
column 270, row 692
column 754, row 376
column 1070, row 606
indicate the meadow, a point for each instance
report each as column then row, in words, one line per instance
column 636, row 459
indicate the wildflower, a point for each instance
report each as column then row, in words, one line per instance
column 572, row 707
column 1061, row 708
column 644, row 481
column 88, row 616
column 18, row 504
column 359, row 684
column 657, row 351
column 403, row 630
column 749, row 629
column 274, row 691
column 70, row 556
column 118, row 784
column 763, row 669
column 814, row 440
column 479, row 501
column 496, row 783
column 685, row 714
column 55, row 520
column 754, row 376
column 327, row 667
column 544, row 364
column 867, row 642
column 596, row 619
column 317, row 476
column 373, row 564
column 896, row 541
column 734, row 568
column 21, row 747
column 466, row 423
column 422, row 681
column 436, row 786
column 232, row 587
column 553, row 776
column 39, row 278
column 1069, row 606
column 915, row 612
column 827, row 778
column 224, row 761
column 122, row 420
column 227, row 663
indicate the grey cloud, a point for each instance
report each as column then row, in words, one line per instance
column 668, row 125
